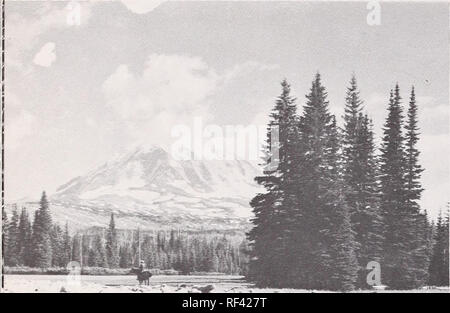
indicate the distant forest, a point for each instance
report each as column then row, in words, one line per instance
column 335, row 202
column 44, row 244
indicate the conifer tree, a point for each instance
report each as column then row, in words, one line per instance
column 392, row 155
column 101, row 256
column 420, row 250
column 41, row 241
column 431, row 227
column 413, row 170
column 56, row 237
column 404, row 246
column 92, row 257
column 344, row 266
column 269, row 237
column 360, row 175
column 112, row 249
column 76, row 248
column 439, row 264
column 392, row 193
column 313, row 247
column 67, row 245
column 12, row 258
column 323, row 241
column 445, row 275
column 34, row 231
column 5, row 237
column 125, row 259
column 24, row 238
column 136, row 242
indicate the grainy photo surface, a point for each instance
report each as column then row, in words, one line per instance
column 225, row 147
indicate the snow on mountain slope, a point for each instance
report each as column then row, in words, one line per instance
column 147, row 188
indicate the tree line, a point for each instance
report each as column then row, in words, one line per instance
column 334, row 202
column 44, row 244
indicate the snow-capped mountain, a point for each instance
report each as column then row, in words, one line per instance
column 146, row 188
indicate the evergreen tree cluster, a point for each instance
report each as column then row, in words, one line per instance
column 44, row 244
column 41, row 243
column 333, row 203
column 185, row 252
column 439, row 266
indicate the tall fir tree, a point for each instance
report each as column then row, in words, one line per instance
column 67, row 245
column 136, row 246
column 392, row 192
column 400, row 218
column 12, row 258
column 431, row 227
column 360, row 176
column 5, row 237
column 112, row 249
column 393, row 195
column 311, row 245
column 446, row 245
column 92, row 256
column 445, row 275
column 344, row 267
column 99, row 245
column 24, row 238
column 125, row 256
column 41, row 241
column 57, row 242
column 413, row 170
column 269, row 237
column 322, row 226
column 439, row 264
column 77, row 248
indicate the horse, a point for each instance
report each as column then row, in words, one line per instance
column 143, row 276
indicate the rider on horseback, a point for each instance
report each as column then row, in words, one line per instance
column 142, row 274
column 141, row 266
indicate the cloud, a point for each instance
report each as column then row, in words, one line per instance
column 168, row 83
column 25, row 30
column 18, row 126
column 433, row 116
column 142, row 6
column 425, row 100
column 248, row 68
column 19, row 122
column 435, row 119
column 46, row 55
column 436, row 176
column 170, row 90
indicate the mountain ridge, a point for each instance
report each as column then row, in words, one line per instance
column 146, row 188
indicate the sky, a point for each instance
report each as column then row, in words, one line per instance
column 85, row 82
